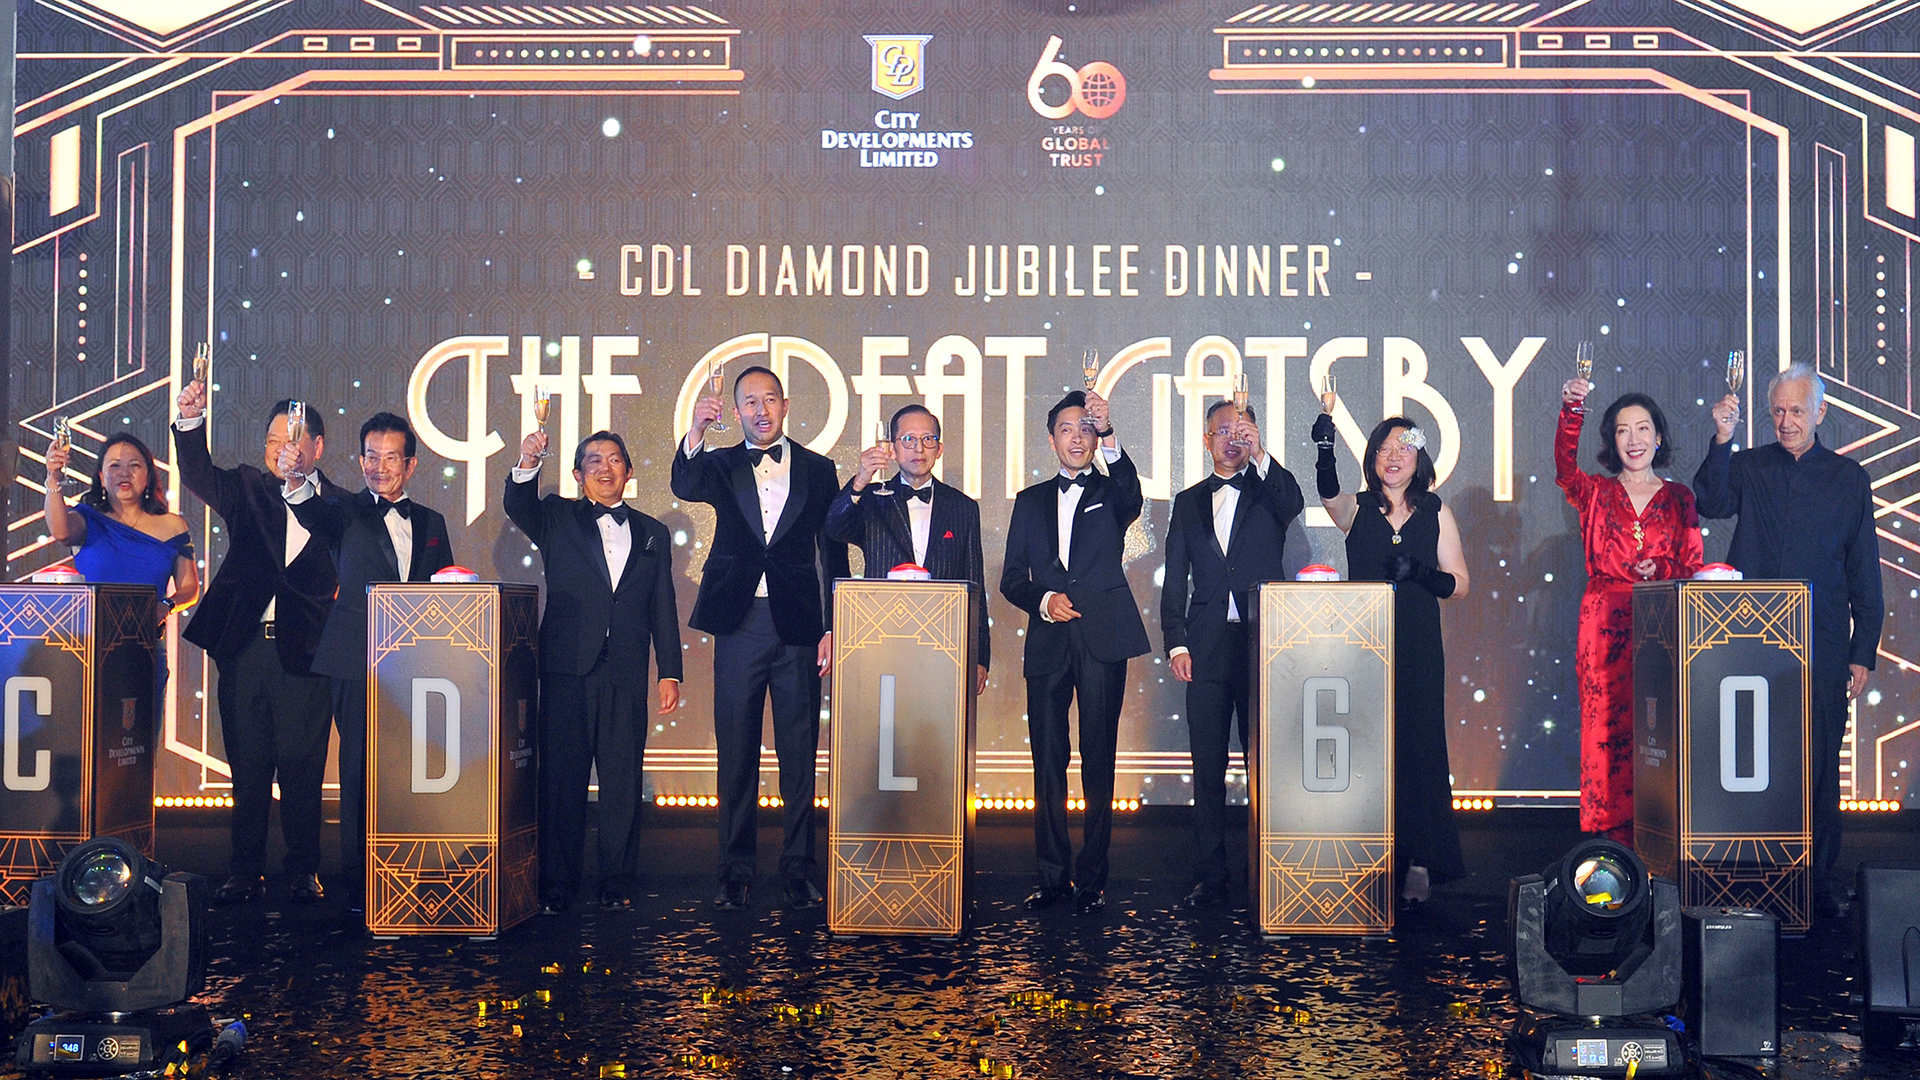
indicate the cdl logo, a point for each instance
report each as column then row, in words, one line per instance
column 424, row 689
column 1096, row 90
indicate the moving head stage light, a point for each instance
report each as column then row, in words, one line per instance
column 119, row 944
column 1595, row 937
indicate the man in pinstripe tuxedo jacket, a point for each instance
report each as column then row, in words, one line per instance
column 921, row 521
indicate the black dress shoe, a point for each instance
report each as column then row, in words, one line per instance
column 733, row 896
column 306, row 890
column 612, row 899
column 803, row 894
column 1205, row 895
column 1087, row 901
column 240, row 889
column 1045, row 897
column 1830, row 906
column 554, row 904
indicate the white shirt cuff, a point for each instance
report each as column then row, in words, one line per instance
column 1111, row 453
column 1177, row 650
column 189, row 423
column 691, row 446
column 521, row 476
column 305, row 491
column 1261, row 466
column 1043, row 607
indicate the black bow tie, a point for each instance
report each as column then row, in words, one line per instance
column 618, row 512
column 1238, row 482
column 754, row 455
column 403, row 507
column 1066, row 482
column 924, row 494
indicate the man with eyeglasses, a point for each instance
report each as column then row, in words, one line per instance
column 378, row 534
column 918, row 520
column 1224, row 537
column 1065, row 569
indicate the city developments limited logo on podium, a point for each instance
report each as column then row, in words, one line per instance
column 899, row 63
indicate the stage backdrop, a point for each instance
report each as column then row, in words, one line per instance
column 436, row 208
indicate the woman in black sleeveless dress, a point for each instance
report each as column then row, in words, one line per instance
column 1398, row 531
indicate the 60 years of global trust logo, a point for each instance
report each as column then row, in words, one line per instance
column 1095, row 91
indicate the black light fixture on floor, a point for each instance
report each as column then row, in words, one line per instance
column 117, row 945
column 1596, row 941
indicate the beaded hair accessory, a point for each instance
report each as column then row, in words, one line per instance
column 1413, row 437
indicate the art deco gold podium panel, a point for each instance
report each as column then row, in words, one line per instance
column 1720, row 769
column 1320, row 771
column 900, row 812
column 78, row 741
column 451, row 820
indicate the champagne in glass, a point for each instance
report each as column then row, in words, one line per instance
column 1090, row 367
column 882, row 436
column 1240, row 397
column 202, row 362
column 1583, row 369
column 542, row 408
column 1328, row 394
column 63, row 439
column 297, row 428
column 716, row 382
column 1736, row 378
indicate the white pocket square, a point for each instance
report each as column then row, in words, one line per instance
column 1091, row 509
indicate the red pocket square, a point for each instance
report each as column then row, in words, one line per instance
column 949, row 535
column 434, row 541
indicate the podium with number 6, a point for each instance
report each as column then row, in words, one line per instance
column 1720, row 769
column 450, row 757
column 1320, row 771
column 900, row 807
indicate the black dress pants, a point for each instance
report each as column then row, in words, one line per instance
column 274, row 725
column 1100, row 688
column 1213, row 707
column 350, row 720
column 584, row 720
column 748, row 665
column 1826, row 730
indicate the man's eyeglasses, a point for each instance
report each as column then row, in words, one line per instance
column 918, row 442
column 387, row 461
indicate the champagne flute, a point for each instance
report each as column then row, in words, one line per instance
column 716, row 381
column 202, row 362
column 63, row 439
column 1240, row 397
column 1736, row 378
column 1328, row 395
column 297, row 429
column 542, row 408
column 1583, row 369
column 882, row 436
column 1090, row 367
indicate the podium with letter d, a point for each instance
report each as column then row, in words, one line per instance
column 900, row 806
column 451, row 820
column 1320, row 770
column 78, row 664
column 1720, row 770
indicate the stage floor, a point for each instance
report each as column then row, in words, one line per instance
column 674, row 989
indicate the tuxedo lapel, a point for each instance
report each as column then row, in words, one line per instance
column 590, row 536
column 370, row 512
column 1243, row 505
column 899, row 521
column 746, row 493
column 417, row 561
column 796, row 492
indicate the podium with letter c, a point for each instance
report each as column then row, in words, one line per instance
column 77, row 661
column 1720, row 765
column 451, row 709
column 1320, row 770
column 900, row 807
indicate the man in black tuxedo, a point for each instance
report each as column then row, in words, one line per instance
column 765, row 598
column 1064, row 569
column 923, row 521
column 1225, row 537
column 609, row 595
column 378, row 534
column 260, row 622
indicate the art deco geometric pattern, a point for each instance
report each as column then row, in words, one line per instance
column 1777, row 616
column 60, row 618
column 1358, row 617
column 442, row 885
column 1327, row 884
column 900, row 613
column 462, row 617
column 26, row 859
column 1766, row 872
column 898, row 886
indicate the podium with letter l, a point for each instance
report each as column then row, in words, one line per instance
column 78, row 664
column 1720, row 769
column 1320, row 770
column 900, row 805
column 451, row 709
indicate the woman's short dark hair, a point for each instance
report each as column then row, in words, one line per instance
column 1423, row 473
column 150, row 499
column 1609, row 454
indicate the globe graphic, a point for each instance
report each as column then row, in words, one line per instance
column 1098, row 90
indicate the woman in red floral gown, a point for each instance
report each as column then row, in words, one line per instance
column 1634, row 526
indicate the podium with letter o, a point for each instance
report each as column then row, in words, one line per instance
column 451, row 707
column 1320, row 770
column 78, row 740
column 1720, row 769
column 900, row 806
